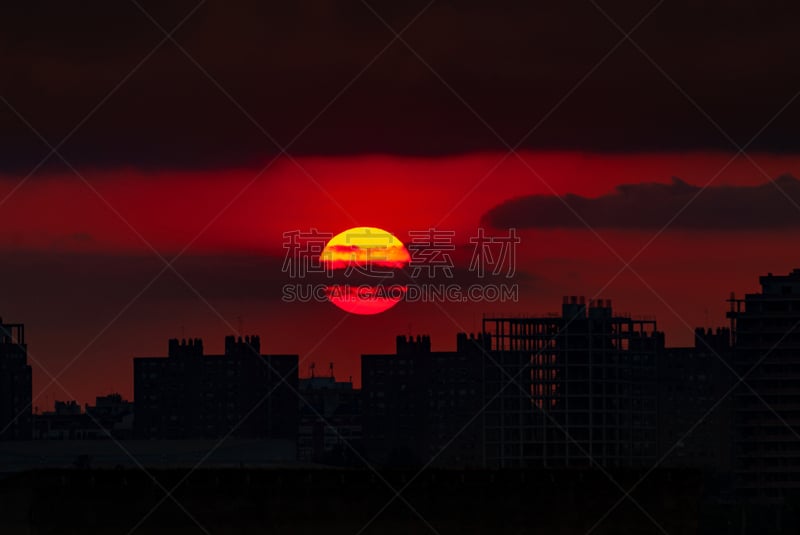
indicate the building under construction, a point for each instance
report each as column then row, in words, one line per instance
column 571, row 389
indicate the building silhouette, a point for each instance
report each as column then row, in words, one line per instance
column 15, row 383
column 65, row 422
column 586, row 383
column 110, row 417
column 111, row 406
column 564, row 390
column 330, row 421
column 242, row 392
column 113, row 414
column 766, row 354
column 583, row 387
column 421, row 405
column 694, row 412
column 583, row 391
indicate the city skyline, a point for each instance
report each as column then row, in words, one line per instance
column 430, row 199
column 403, row 133
column 592, row 388
column 307, row 362
column 230, row 288
column 306, row 365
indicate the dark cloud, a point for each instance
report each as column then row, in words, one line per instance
column 768, row 206
column 512, row 61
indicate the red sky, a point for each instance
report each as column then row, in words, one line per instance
column 73, row 265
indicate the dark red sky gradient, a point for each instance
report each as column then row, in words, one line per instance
column 171, row 139
column 72, row 265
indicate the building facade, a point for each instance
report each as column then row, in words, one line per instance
column 188, row 394
column 694, row 408
column 766, row 354
column 421, row 406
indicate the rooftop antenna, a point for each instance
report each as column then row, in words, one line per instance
column 331, row 368
column 311, row 368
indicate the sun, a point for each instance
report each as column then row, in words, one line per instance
column 365, row 262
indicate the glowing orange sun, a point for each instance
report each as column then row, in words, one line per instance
column 365, row 262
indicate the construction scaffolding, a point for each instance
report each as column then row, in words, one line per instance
column 583, row 391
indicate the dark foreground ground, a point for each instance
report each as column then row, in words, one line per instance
column 332, row 501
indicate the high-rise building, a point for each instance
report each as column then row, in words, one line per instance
column 191, row 395
column 766, row 354
column 15, row 383
column 421, row 405
column 571, row 389
column 694, row 410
